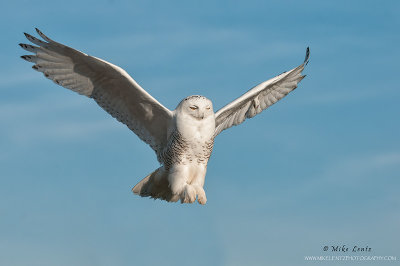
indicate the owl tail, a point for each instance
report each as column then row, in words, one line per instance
column 156, row 186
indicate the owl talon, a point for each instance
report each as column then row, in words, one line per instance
column 202, row 199
column 201, row 195
column 188, row 195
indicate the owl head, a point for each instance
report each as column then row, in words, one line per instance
column 196, row 106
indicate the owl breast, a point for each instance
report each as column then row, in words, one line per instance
column 183, row 151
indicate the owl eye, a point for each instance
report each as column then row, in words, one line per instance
column 208, row 107
column 194, row 107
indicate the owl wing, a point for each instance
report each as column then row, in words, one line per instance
column 109, row 85
column 259, row 98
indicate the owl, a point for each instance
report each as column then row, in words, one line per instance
column 182, row 139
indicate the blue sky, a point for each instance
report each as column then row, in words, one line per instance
column 321, row 167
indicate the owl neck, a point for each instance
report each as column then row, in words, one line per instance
column 192, row 128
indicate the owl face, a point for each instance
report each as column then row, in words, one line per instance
column 197, row 106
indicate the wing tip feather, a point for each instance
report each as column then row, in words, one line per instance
column 41, row 34
column 306, row 59
column 27, row 57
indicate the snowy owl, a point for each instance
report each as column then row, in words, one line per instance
column 182, row 139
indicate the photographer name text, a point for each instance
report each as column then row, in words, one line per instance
column 345, row 248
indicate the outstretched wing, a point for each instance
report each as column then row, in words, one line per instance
column 259, row 98
column 109, row 85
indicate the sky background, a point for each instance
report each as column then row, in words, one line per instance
column 321, row 167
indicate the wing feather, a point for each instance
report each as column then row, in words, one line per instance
column 109, row 85
column 259, row 98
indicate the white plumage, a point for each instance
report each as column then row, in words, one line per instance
column 182, row 139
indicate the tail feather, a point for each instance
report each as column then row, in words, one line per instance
column 156, row 186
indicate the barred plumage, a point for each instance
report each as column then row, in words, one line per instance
column 180, row 151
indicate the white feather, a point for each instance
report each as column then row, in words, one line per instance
column 260, row 97
column 109, row 85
